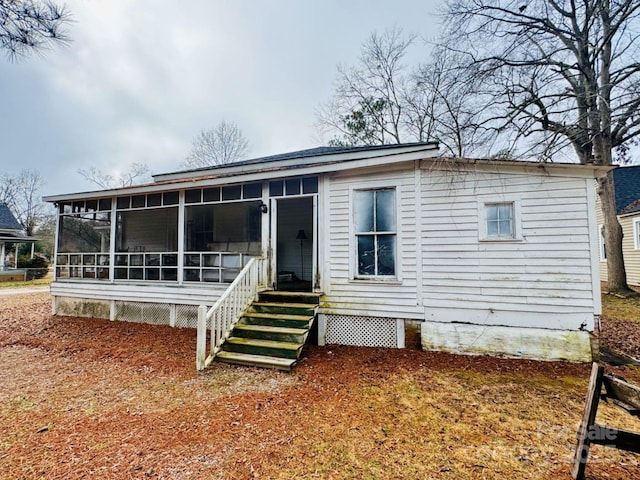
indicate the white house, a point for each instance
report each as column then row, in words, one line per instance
column 487, row 256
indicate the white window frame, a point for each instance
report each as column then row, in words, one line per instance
column 636, row 233
column 516, row 226
column 601, row 244
column 353, row 235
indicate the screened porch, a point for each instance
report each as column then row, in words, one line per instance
column 197, row 235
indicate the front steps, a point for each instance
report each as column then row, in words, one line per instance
column 272, row 332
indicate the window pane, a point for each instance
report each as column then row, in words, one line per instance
column 276, row 188
column 231, row 193
column 292, row 186
column 499, row 220
column 211, row 195
column 310, row 185
column 123, row 202
column 138, row 201
column 154, row 200
column 386, row 255
column 193, row 196
column 170, row 198
column 385, row 211
column 252, row 190
column 366, row 255
column 364, row 210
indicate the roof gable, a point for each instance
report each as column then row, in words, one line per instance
column 7, row 220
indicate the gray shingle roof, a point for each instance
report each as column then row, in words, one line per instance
column 7, row 220
column 627, row 185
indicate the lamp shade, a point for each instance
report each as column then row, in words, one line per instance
column 301, row 235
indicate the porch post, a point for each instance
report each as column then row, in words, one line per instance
column 201, row 341
column 181, row 235
column 113, row 239
column 2, row 254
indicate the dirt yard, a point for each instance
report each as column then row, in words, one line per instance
column 84, row 398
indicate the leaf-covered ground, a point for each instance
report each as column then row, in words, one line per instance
column 84, row 398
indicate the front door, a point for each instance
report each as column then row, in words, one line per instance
column 292, row 242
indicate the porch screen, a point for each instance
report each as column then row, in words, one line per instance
column 83, row 245
column 226, row 227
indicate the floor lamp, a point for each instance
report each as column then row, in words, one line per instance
column 302, row 237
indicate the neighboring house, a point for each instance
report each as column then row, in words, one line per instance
column 487, row 256
column 626, row 181
column 10, row 232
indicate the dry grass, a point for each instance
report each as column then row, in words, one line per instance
column 627, row 309
column 85, row 397
column 46, row 280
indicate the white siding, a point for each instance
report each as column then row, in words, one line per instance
column 358, row 297
column 631, row 255
column 543, row 280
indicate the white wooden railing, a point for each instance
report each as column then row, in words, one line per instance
column 227, row 310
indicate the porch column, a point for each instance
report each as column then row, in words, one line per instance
column 113, row 240
column 2, row 254
column 181, row 235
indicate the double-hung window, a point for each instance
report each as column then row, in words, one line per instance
column 375, row 232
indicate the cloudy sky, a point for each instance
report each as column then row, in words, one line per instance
column 142, row 77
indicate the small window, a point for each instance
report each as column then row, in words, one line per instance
column 499, row 218
column 499, row 221
column 123, row 202
column 138, row 201
column 154, row 200
column 232, row 192
column 170, row 198
column 211, row 195
column 193, row 196
column 636, row 234
column 252, row 190
column 292, row 186
column 276, row 188
column 602, row 244
column 375, row 230
column 310, row 185
column 105, row 204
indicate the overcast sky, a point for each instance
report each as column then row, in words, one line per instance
column 142, row 77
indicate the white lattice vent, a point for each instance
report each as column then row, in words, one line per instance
column 143, row 312
column 186, row 316
column 361, row 331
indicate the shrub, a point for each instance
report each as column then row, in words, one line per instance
column 37, row 267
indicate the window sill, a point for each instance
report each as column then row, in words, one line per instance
column 376, row 280
column 501, row 240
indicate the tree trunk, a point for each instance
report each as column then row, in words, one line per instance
column 612, row 231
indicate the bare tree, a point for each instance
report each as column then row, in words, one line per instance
column 565, row 73
column 383, row 99
column 220, row 145
column 28, row 26
column 375, row 102
column 137, row 173
column 22, row 194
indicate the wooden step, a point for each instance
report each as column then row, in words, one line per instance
column 276, row 320
column 284, row 307
column 262, row 347
column 263, row 361
column 290, row 297
column 268, row 332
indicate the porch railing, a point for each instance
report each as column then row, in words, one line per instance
column 227, row 310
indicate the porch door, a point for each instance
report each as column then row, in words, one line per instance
column 293, row 243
